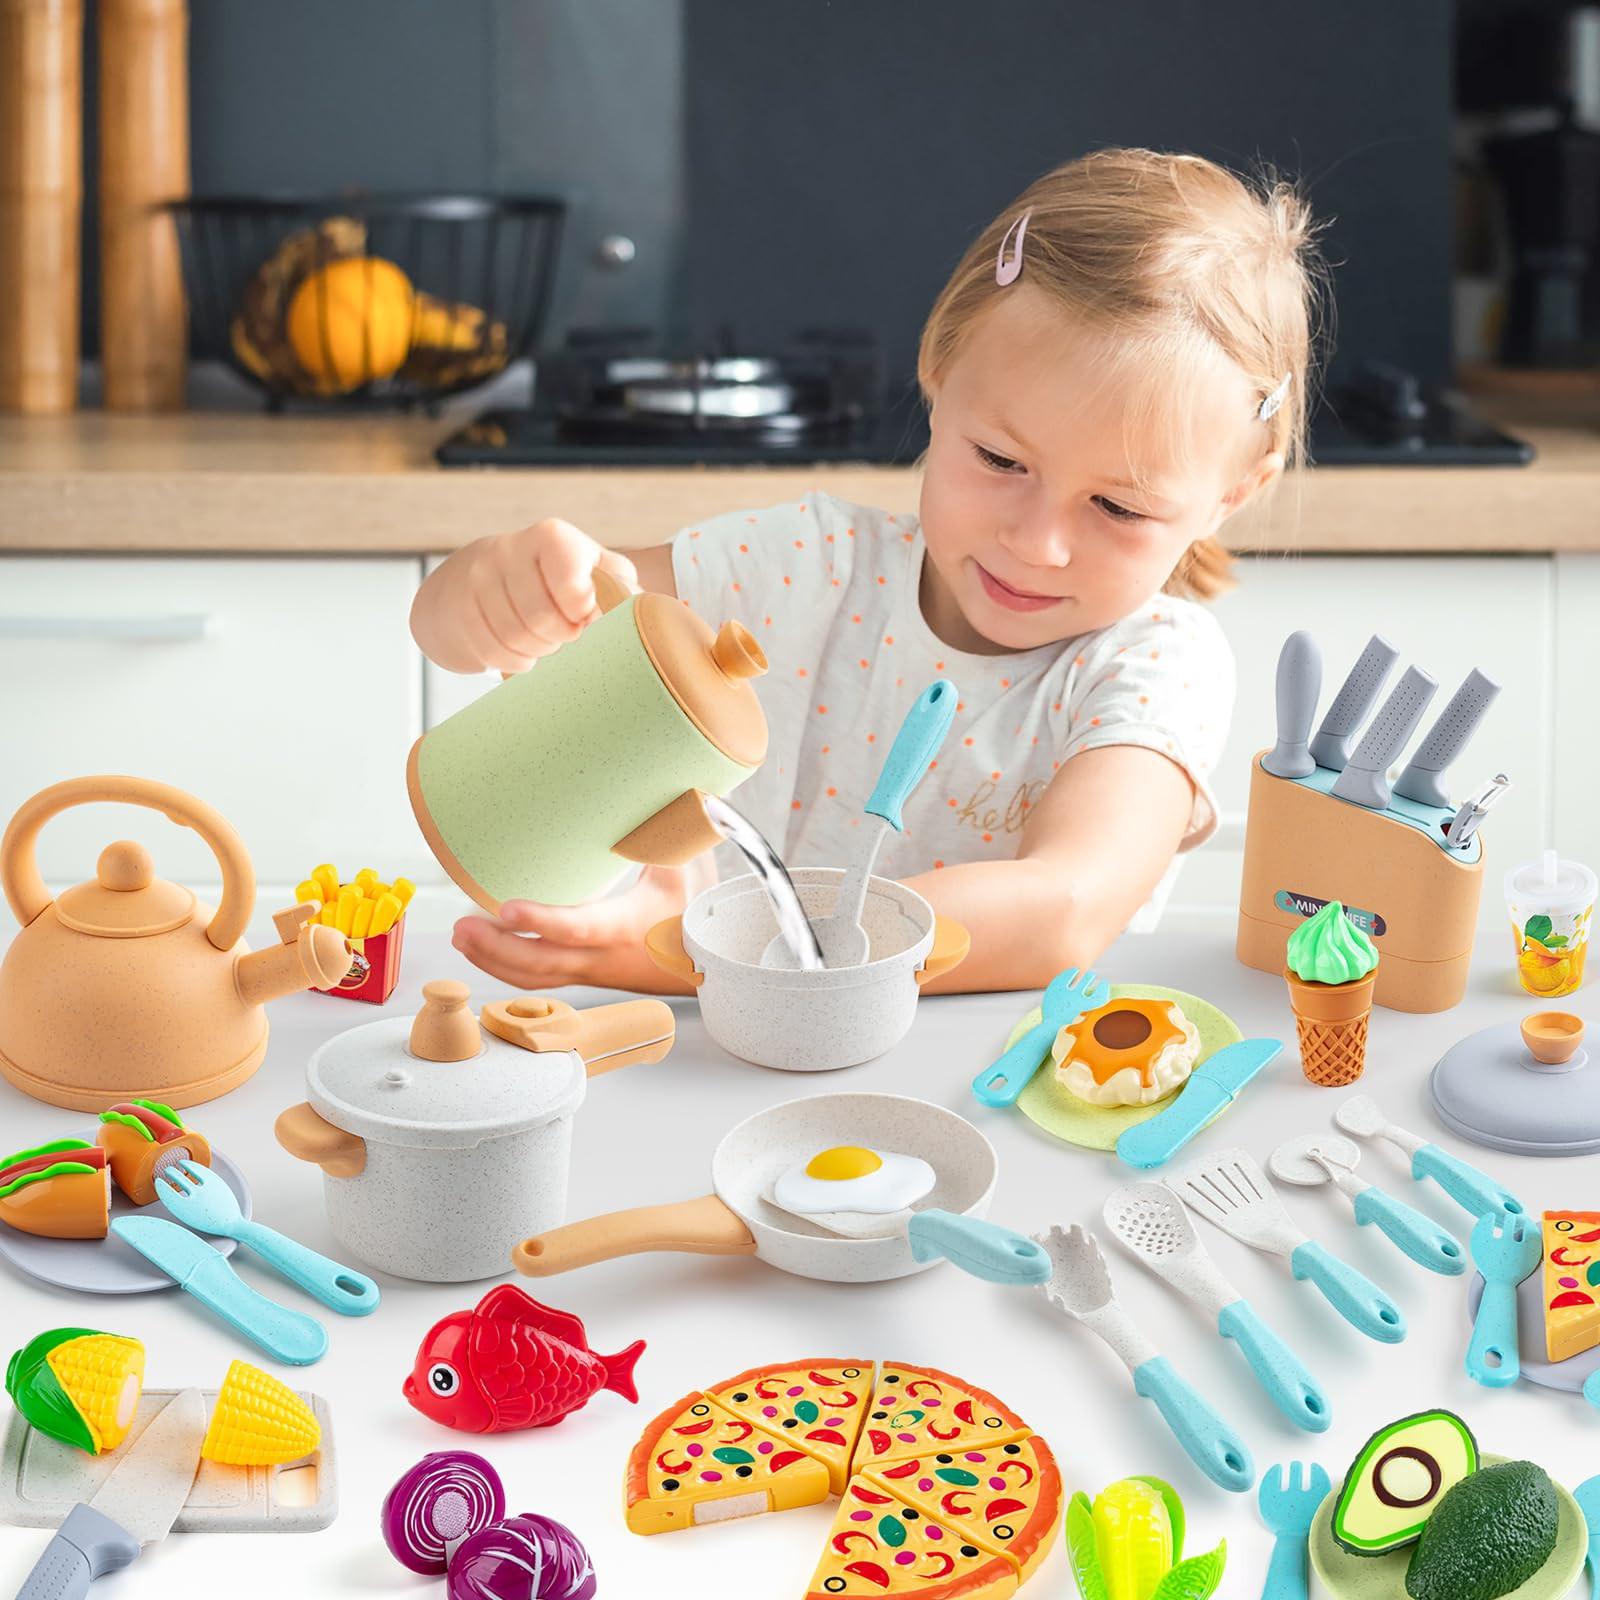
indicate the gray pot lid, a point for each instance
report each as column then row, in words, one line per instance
column 1488, row 1089
column 368, row 1082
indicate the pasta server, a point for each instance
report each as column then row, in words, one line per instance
column 1080, row 1286
column 1474, row 1191
column 1151, row 1226
column 1230, row 1190
column 1320, row 1158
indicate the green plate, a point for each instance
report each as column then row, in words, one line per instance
column 1348, row 1577
column 1045, row 1103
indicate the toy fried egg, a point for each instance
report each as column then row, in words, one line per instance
column 852, row 1178
column 1128, row 1052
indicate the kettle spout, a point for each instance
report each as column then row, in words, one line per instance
column 311, row 956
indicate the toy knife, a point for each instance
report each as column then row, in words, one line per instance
column 135, row 1506
column 1330, row 747
column 1365, row 779
column 1211, row 1089
column 1298, row 685
column 1423, row 779
column 191, row 1263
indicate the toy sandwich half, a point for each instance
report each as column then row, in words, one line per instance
column 140, row 1137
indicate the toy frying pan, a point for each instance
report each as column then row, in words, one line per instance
column 739, row 1219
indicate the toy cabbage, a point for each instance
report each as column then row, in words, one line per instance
column 1128, row 1545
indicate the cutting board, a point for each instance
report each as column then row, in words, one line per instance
column 42, row 1479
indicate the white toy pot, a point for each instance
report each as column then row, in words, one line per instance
column 802, row 1021
column 443, row 1143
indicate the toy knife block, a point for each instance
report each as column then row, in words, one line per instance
column 1414, row 897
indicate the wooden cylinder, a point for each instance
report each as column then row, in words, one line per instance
column 41, row 199
column 144, row 162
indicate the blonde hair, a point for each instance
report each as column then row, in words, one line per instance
column 1174, row 256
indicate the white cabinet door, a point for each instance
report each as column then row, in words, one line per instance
column 1446, row 615
column 1575, row 669
column 285, row 693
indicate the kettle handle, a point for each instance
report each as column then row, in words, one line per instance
column 19, row 865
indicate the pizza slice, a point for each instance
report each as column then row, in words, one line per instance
column 698, row 1462
column 1005, row 1498
column 816, row 1406
column 1571, row 1282
column 879, row 1545
column 918, row 1410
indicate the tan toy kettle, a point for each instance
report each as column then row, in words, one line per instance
column 128, row 985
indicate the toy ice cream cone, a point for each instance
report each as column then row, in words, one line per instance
column 1332, row 968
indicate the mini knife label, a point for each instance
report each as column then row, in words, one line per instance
column 1308, row 905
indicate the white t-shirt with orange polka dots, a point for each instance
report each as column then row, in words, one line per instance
column 830, row 589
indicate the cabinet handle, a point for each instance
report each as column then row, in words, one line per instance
column 184, row 628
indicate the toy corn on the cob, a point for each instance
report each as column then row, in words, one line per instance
column 258, row 1421
column 360, row 909
column 79, row 1385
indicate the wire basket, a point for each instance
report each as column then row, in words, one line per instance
column 377, row 299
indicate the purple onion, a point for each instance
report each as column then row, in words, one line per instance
column 446, row 1497
column 525, row 1557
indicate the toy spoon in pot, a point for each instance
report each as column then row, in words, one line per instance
column 844, row 941
column 1326, row 1158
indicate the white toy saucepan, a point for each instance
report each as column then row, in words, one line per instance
column 741, row 1219
column 797, row 1020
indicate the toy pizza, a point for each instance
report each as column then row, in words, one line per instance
column 1571, row 1282
column 945, row 1493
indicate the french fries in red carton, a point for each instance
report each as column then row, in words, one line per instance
column 371, row 914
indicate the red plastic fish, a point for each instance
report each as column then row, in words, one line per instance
column 512, row 1363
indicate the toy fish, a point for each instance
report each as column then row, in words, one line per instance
column 512, row 1363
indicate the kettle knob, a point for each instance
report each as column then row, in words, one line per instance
column 445, row 1028
column 126, row 866
column 736, row 652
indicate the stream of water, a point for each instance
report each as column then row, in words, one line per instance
column 751, row 843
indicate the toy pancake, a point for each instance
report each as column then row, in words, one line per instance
column 1048, row 1104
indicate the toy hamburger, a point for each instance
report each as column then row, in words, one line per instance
column 140, row 1137
column 60, row 1190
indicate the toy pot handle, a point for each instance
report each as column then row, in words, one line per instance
column 951, row 943
column 309, row 1135
column 19, row 865
column 704, row 1227
column 603, row 1037
column 664, row 945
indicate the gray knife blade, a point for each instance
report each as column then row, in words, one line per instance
column 1298, row 685
column 1423, row 779
column 135, row 1506
column 1365, row 779
column 1330, row 747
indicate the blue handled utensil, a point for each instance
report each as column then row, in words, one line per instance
column 1325, row 1158
column 1066, row 997
column 1080, row 1286
column 1212, row 1088
column 1587, row 1494
column 985, row 1249
column 1591, row 1388
column 1289, row 1498
column 1146, row 1219
column 1474, row 1191
column 1230, row 1190
column 844, row 941
column 191, row 1263
column 1505, row 1249
column 202, row 1201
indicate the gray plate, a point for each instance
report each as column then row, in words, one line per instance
column 108, row 1266
column 1570, row 1374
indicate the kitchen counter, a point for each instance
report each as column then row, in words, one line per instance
column 707, row 1318
column 240, row 481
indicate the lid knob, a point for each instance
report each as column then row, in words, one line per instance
column 1552, row 1037
column 125, row 866
column 736, row 652
column 444, row 1029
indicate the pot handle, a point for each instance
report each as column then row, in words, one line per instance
column 664, row 945
column 951, row 945
column 19, row 865
column 703, row 1227
column 603, row 1036
column 310, row 1136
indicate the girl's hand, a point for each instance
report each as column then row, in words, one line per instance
column 601, row 943
column 500, row 603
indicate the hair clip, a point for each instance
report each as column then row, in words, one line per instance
column 1269, row 407
column 1008, row 271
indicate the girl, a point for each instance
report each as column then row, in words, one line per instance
column 1118, row 364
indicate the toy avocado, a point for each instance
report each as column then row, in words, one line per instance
column 1399, row 1479
column 1488, row 1536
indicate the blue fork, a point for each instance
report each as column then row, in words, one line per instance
column 1288, row 1497
column 1066, row 997
column 1506, row 1248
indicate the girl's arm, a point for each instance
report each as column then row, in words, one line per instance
column 1093, row 849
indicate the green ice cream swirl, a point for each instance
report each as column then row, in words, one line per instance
column 1330, row 948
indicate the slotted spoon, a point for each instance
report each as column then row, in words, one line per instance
column 1148, row 1222
column 1230, row 1190
column 1080, row 1286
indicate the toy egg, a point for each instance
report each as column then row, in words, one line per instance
column 853, row 1190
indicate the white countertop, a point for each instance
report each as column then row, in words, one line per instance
column 646, row 1134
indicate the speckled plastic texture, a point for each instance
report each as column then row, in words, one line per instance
column 1488, row 1088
